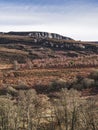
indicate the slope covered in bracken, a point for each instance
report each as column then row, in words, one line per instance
column 35, row 61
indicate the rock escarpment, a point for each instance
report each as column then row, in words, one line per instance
column 41, row 35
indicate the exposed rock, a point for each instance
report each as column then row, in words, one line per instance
column 41, row 35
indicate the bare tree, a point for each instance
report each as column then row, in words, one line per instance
column 16, row 65
column 29, row 63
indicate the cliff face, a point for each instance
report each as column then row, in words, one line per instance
column 41, row 35
column 48, row 35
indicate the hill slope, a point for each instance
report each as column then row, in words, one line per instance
column 22, row 45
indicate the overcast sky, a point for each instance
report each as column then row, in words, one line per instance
column 77, row 19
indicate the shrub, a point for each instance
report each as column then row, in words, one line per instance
column 16, row 65
column 82, row 83
column 87, row 83
column 56, row 85
column 94, row 75
column 79, row 78
column 22, row 85
column 77, row 86
column 12, row 91
column 3, row 91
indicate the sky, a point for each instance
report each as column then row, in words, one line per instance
column 77, row 19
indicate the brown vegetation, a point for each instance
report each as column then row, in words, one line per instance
column 37, row 78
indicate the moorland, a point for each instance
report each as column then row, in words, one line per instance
column 48, row 82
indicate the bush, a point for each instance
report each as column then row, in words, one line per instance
column 7, row 89
column 56, row 85
column 88, row 83
column 94, row 75
column 83, row 83
column 12, row 91
column 22, row 85
column 3, row 91
column 77, row 86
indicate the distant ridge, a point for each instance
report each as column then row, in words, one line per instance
column 40, row 35
column 42, row 45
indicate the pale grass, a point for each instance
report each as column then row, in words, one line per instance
column 2, row 49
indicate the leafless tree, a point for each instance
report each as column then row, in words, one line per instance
column 16, row 65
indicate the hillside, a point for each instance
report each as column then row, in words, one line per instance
column 40, row 35
column 19, row 46
column 39, row 60
column 44, row 78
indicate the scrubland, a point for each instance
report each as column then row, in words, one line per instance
column 47, row 88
